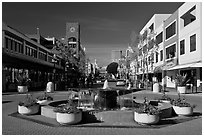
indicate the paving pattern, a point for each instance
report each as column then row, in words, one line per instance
column 15, row 126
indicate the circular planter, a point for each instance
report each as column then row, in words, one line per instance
column 165, row 101
column 156, row 88
column 42, row 102
column 22, row 89
column 144, row 118
column 181, row 89
column 186, row 111
column 64, row 118
column 28, row 110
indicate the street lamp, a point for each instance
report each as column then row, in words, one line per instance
column 54, row 60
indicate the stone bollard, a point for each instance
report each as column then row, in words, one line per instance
column 50, row 87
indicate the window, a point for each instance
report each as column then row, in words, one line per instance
column 151, row 27
column 149, row 60
column 157, row 57
column 171, row 30
column 15, row 45
column 189, row 16
column 159, row 38
column 140, row 52
column 182, row 47
column 193, row 43
column 21, row 45
column 145, row 49
column 170, row 51
column 161, row 55
column 6, row 43
column 72, row 39
column 9, row 44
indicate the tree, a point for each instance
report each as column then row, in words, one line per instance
column 147, row 51
column 112, row 68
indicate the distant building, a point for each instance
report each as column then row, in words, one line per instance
column 116, row 55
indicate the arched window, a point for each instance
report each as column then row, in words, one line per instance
column 72, row 39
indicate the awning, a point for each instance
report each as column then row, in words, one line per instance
column 196, row 65
column 192, row 65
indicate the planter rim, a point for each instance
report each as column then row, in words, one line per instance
column 147, row 114
column 182, row 107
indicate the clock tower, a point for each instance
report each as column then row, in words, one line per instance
column 73, row 37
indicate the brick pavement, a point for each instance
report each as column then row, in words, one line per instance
column 15, row 126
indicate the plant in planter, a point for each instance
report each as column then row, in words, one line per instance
column 68, row 113
column 145, row 113
column 28, row 106
column 22, row 82
column 165, row 99
column 181, row 81
column 181, row 107
column 43, row 99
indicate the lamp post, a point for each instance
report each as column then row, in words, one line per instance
column 54, row 60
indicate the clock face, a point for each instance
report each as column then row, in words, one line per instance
column 72, row 29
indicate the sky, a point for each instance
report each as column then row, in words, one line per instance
column 105, row 26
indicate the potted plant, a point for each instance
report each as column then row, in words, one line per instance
column 145, row 113
column 181, row 107
column 28, row 106
column 44, row 99
column 68, row 113
column 22, row 82
column 181, row 81
column 165, row 99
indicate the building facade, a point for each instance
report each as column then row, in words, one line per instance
column 178, row 37
column 151, row 56
column 21, row 53
column 38, row 57
column 189, row 45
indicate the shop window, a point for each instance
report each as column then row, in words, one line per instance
column 171, row 30
column 170, row 51
column 193, row 43
column 182, row 47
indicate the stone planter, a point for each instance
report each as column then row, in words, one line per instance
column 42, row 102
column 65, row 118
column 165, row 101
column 186, row 111
column 28, row 110
column 22, row 89
column 181, row 89
column 144, row 118
column 156, row 88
